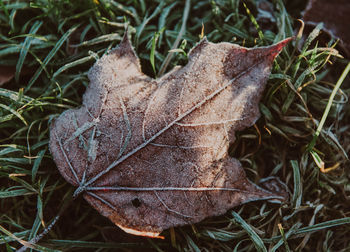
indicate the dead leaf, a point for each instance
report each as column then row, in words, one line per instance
column 335, row 17
column 8, row 72
column 152, row 154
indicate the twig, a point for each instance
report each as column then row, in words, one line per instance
column 46, row 230
column 41, row 235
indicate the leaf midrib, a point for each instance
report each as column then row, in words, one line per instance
column 160, row 132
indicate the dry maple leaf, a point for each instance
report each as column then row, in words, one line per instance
column 152, row 154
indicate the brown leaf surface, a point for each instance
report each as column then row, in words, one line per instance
column 6, row 74
column 336, row 18
column 152, row 154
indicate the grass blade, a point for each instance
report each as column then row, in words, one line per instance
column 297, row 193
column 51, row 54
column 25, row 48
column 329, row 104
column 14, row 112
column 37, row 163
column 258, row 243
column 177, row 41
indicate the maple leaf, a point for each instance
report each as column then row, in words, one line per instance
column 152, row 154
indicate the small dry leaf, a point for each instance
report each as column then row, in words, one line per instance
column 335, row 17
column 152, row 154
column 8, row 72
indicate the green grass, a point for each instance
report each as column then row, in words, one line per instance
column 305, row 122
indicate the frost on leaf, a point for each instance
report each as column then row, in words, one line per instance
column 152, row 154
